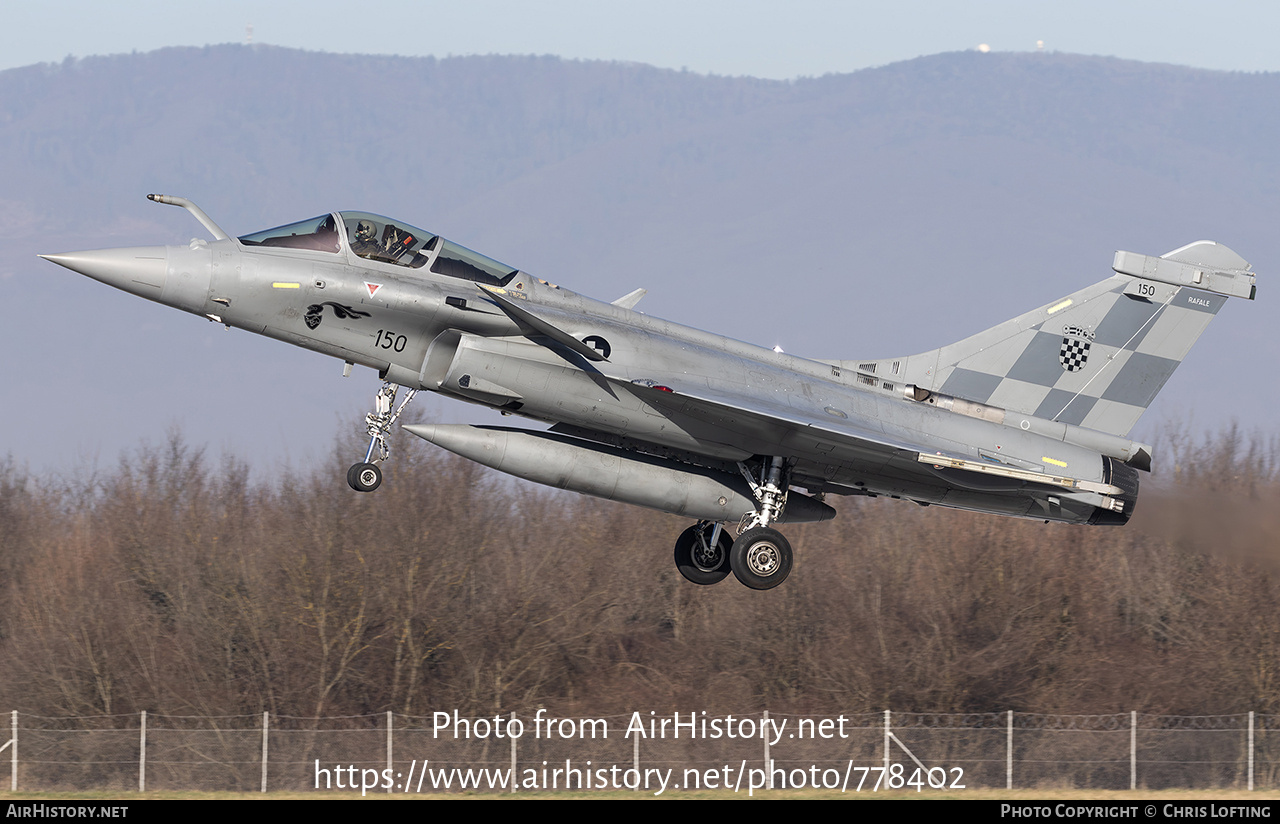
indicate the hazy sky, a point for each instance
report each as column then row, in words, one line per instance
column 732, row 37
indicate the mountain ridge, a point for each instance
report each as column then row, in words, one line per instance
column 822, row 214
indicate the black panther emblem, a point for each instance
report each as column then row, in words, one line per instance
column 315, row 313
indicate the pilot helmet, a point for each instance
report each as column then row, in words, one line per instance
column 365, row 231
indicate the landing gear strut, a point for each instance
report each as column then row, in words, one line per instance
column 367, row 475
column 761, row 557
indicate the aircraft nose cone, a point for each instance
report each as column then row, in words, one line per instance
column 138, row 269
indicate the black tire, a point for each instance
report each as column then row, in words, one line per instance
column 364, row 477
column 761, row 558
column 693, row 561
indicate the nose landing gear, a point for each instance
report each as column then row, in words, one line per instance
column 367, row 475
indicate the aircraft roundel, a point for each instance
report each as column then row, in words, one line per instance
column 599, row 344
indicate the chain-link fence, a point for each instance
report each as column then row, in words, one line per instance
column 644, row 750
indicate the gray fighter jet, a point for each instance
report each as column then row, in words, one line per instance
column 1030, row 418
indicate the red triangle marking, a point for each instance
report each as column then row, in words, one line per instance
column 372, row 287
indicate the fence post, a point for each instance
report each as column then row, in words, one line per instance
column 264, row 750
column 886, row 742
column 1008, row 765
column 390, row 724
column 1133, row 749
column 513, row 751
column 766, row 748
column 13, row 756
column 1250, row 749
column 142, row 756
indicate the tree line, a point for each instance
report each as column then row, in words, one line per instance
column 175, row 583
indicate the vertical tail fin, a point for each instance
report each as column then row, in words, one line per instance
column 1098, row 357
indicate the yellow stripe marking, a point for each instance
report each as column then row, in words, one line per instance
column 1054, row 462
column 286, row 286
column 1058, row 307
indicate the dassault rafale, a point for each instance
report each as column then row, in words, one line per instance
column 1030, row 418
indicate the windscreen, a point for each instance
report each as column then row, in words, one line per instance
column 318, row 233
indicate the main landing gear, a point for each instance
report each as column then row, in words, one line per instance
column 367, row 475
column 702, row 553
column 761, row 557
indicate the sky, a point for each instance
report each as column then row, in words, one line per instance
column 760, row 38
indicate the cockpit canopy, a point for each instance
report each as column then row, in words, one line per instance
column 381, row 239
column 375, row 237
column 319, row 234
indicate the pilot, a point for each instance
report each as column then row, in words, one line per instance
column 366, row 240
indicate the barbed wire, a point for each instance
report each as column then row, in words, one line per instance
column 858, row 720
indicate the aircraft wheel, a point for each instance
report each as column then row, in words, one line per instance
column 364, row 477
column 700, row 564
column 761, row 558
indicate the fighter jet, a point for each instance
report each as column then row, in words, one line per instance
column 1029, row 419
